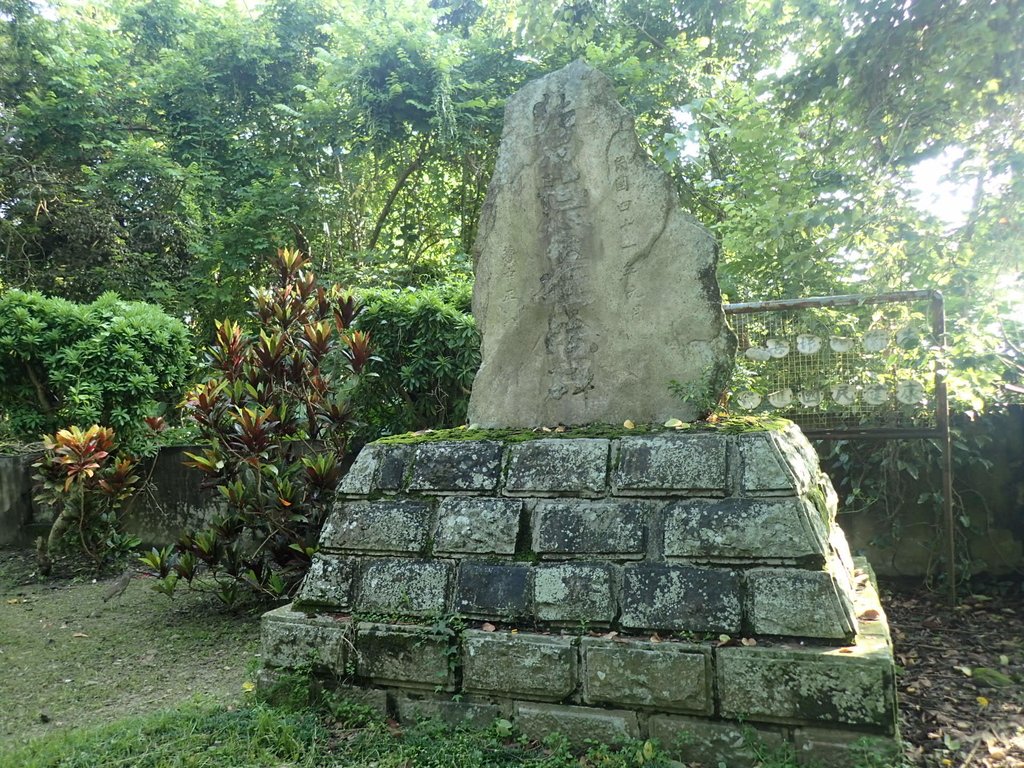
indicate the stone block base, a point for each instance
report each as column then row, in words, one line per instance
column 706, row 701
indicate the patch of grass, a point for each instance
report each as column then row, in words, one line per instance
column 70, row 659
column 201, row 734
column 197, row 734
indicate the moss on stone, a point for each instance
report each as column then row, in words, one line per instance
column 726, row 425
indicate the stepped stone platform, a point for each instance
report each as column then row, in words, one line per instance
column 687, row 586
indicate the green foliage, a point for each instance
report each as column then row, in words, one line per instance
column 108, row 362
column 276, row 424
column 86, row 484
column 429, row 352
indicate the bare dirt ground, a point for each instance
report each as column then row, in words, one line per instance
column 961, row 689
column 69, row 659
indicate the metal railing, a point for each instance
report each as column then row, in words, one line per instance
column 850, row 367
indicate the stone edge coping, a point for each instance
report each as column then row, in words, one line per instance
column 792, row 466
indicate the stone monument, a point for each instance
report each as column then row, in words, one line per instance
column 684, row 585
column 593, row 289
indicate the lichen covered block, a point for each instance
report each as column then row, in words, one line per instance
column 477, row 525
column 672, row 463
column 680, row 597
column 558, row 466
column 539, row 667
column 613, row 527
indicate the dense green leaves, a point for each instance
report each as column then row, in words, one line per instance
column 165, row 148
column 109, row 362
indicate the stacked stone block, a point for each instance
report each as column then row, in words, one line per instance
column 603, row 585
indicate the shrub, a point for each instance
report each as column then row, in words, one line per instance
column 278, row 425
column 87, row 484
column 108, row 362
column 429, row 353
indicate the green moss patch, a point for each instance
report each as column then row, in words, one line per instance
column 725, row 425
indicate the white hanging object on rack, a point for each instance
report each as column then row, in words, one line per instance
column 909, row 392
column 777, row 347
column 840, row 343
column 781, row 397
column 810, row 398
column 875, row 340
column 757, row 354
column 748, row 400
column 876, row 394
column 807, row 344
column 844, row 394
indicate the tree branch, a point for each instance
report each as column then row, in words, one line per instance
column 400, row 183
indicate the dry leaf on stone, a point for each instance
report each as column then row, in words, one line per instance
column 79, row 634
column 628, row 424
column 488, row 627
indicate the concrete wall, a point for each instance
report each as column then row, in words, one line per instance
column 989, row 495
column 172, row 502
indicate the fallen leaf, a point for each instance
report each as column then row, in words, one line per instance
column 749, row 642
column 869, row 615
column 559, row 428
column 655, row 638
column 846, row 650
column 248, row 686
column 13, row 601
column 673, row 423
column 982, row 702
column 610, row 635
column 488, row 627
column 79, row 634
column 628, row 424
column 545, row 429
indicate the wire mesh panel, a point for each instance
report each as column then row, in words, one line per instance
column 841, row 363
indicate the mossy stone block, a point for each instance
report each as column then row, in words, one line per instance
column 558, row 466
column 705, row 742
column 372, row 527
column 404, row 587
column 493, row 591
column 292, row 639
column 613, row 527
column 390, row 654
column 680, row 597
column 531, row 666
column 810, row 685
column 671, row 677
column 328, row 582
column 468, row 465
column 477, row 525
column 745, row 529
column 672, row 464
column 569, row 593
column 579, row 725
column 801, row 603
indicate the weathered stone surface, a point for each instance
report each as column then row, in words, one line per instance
column 496, row 592
column 775, row 463
column 666, row 676
column 704, row 742
column 291, row 639
column 388, row 525
column 462, row 465
column 810, row 685
column 465, row 712
column 539, row 667
column 328, row 582
column 578, row 527
column 404, row 587
column 414, row 657
column 745, row 529
column 361, row 477
column 799, row 603
column 374, row 698
column 832, row 748
column 578, row 724
column 477, row 525
column 677, row 464
column 680, row 597
column 578, row 466
column 593, row 290
column 393, row 465
column 574, row 592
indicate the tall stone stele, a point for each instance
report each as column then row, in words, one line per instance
column 594, row 291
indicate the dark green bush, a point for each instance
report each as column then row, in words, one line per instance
column 108, row 362
column 429, row 352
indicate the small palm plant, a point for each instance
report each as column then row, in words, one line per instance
column 87, row 485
